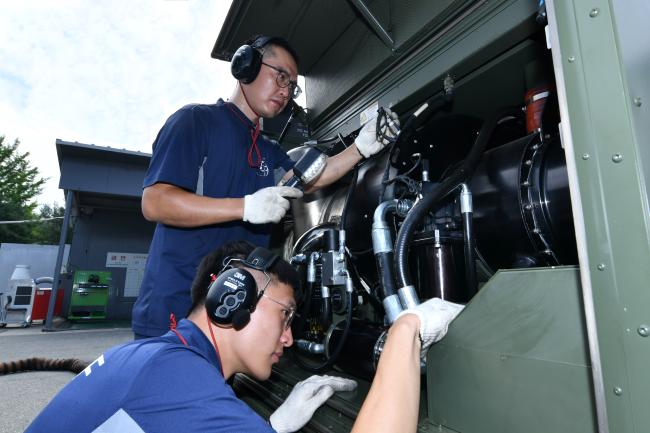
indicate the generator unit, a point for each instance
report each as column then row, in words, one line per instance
column 517, row 186
column 17, row 301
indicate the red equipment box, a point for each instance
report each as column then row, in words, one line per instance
column 42, row 301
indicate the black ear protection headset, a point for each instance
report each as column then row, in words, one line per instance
column 233, row 293
column 247, row 60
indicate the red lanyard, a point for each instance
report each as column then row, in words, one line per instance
column 172, row 327
column 254, row 161
column 257, row 162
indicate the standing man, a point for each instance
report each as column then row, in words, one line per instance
column 211, row 180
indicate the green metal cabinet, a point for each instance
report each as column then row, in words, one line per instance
column 89, row 298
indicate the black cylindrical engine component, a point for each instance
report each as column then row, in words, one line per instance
column 438, row 265
column 359, row 353
column 522, row 206
column 331, row 238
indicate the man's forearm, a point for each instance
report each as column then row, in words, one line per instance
column 394, row 399
column 174, row 206
column 337, row 166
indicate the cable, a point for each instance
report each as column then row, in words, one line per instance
column 348, row 196
column 31, row 221
column 386, row 124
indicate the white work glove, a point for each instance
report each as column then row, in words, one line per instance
column 435, row 316
column 367, row 141
column 304, row 399
column 268, row 204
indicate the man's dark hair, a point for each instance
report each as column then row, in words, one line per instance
column 213, row 263
column 278, row 41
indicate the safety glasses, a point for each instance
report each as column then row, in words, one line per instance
column 283, row 80
column 288, row 311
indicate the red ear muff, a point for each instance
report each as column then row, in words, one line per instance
column 231, row 297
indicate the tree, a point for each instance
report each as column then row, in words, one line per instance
column 49, row 232
column 19, row 185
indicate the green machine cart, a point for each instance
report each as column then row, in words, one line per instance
column 89, row 295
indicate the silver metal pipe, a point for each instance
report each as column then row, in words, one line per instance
column 408, row 297
column 311, row 267
column 310, row 347
column 342, row 239
column 465, row 199
column 392, row 307
column 381, row 238
column 298, row 259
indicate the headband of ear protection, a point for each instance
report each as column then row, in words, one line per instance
column 233, row 293
column 247, row 60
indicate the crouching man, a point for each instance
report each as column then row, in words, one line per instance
column 243, row 302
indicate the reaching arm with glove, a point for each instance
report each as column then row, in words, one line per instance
column 171, row 205
column 394, row 398
column 304, row 399
column 368, row 143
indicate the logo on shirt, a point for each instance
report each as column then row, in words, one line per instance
column 263, row 169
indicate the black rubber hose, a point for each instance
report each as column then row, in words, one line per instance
column 331, row 360
column 470, row 260
column 422, row 208
column 435, row 104
column 348, row 197
column 385, row 268
column 301, row 321
column 326, row 313
column 286, row 128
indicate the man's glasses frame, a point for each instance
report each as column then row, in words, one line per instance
column 290, row 312
column 283, row 81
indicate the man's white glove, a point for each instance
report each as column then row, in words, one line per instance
column 268, row 204
column 367, row 141
column 304, row 399
column 435, row 316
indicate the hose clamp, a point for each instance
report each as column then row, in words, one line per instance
column 409, row 297
column 381, row 241
column 379, row 348
column 392, row 307
column 465, row 199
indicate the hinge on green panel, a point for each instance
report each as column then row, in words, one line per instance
column 374, row 23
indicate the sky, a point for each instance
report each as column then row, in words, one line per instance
column 103, row 72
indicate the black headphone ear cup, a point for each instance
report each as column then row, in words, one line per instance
column 246, row 63
column 240, row 319
column 232, row 291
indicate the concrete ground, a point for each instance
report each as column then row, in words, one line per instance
column 23, row 395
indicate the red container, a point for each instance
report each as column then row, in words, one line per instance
column 42, row 301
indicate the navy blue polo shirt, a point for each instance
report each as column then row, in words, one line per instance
column 152, row 385
column 202, row 149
